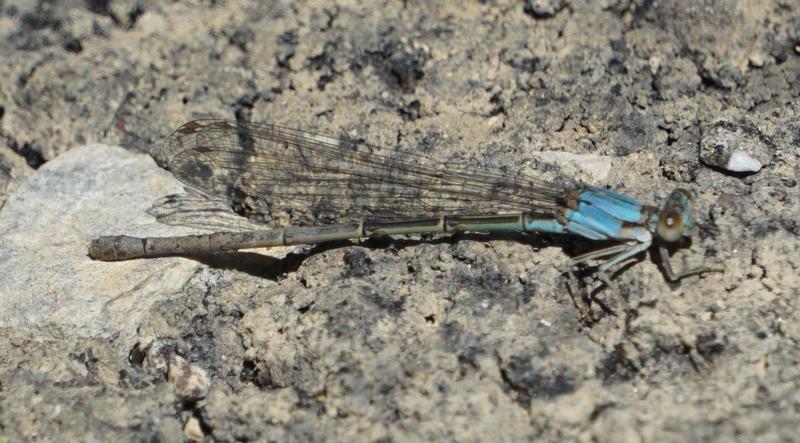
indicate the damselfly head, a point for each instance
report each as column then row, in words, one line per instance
column 676, row 219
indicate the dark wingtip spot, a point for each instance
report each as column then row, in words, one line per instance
column 188, row 128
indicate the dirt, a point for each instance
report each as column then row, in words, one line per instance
column 472, row 338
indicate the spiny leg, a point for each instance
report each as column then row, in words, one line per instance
column 574, row 284
column 602, row 271
column 620, row 253
column 672, row 276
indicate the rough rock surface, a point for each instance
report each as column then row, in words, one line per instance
column 469, row 339
column 44, row 229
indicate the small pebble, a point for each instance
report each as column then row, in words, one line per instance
column 193, row 430
column 757, row 59
column 543, row 8
column 735, row 147
column 741, row 161
column 655, row 63
column 191, row 381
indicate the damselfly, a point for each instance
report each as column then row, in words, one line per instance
column 283, row 176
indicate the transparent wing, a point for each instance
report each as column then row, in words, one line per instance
column 198, row 211
column 292, row 176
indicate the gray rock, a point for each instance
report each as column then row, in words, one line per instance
column 46, row 278
column 13, row 171
column 589, row 168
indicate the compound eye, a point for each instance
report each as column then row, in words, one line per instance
column 670, row 226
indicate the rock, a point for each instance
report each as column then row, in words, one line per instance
column 756, row 59
column 654, row 62
column 543, row 8
column 615, row 425
column 193, row 430
column 47, row 280
column 191, row 381
column 589, row 167
column 13, row 171
column 735, row 147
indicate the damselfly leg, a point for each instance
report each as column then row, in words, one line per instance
column 618, row 254
column 672, row 276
